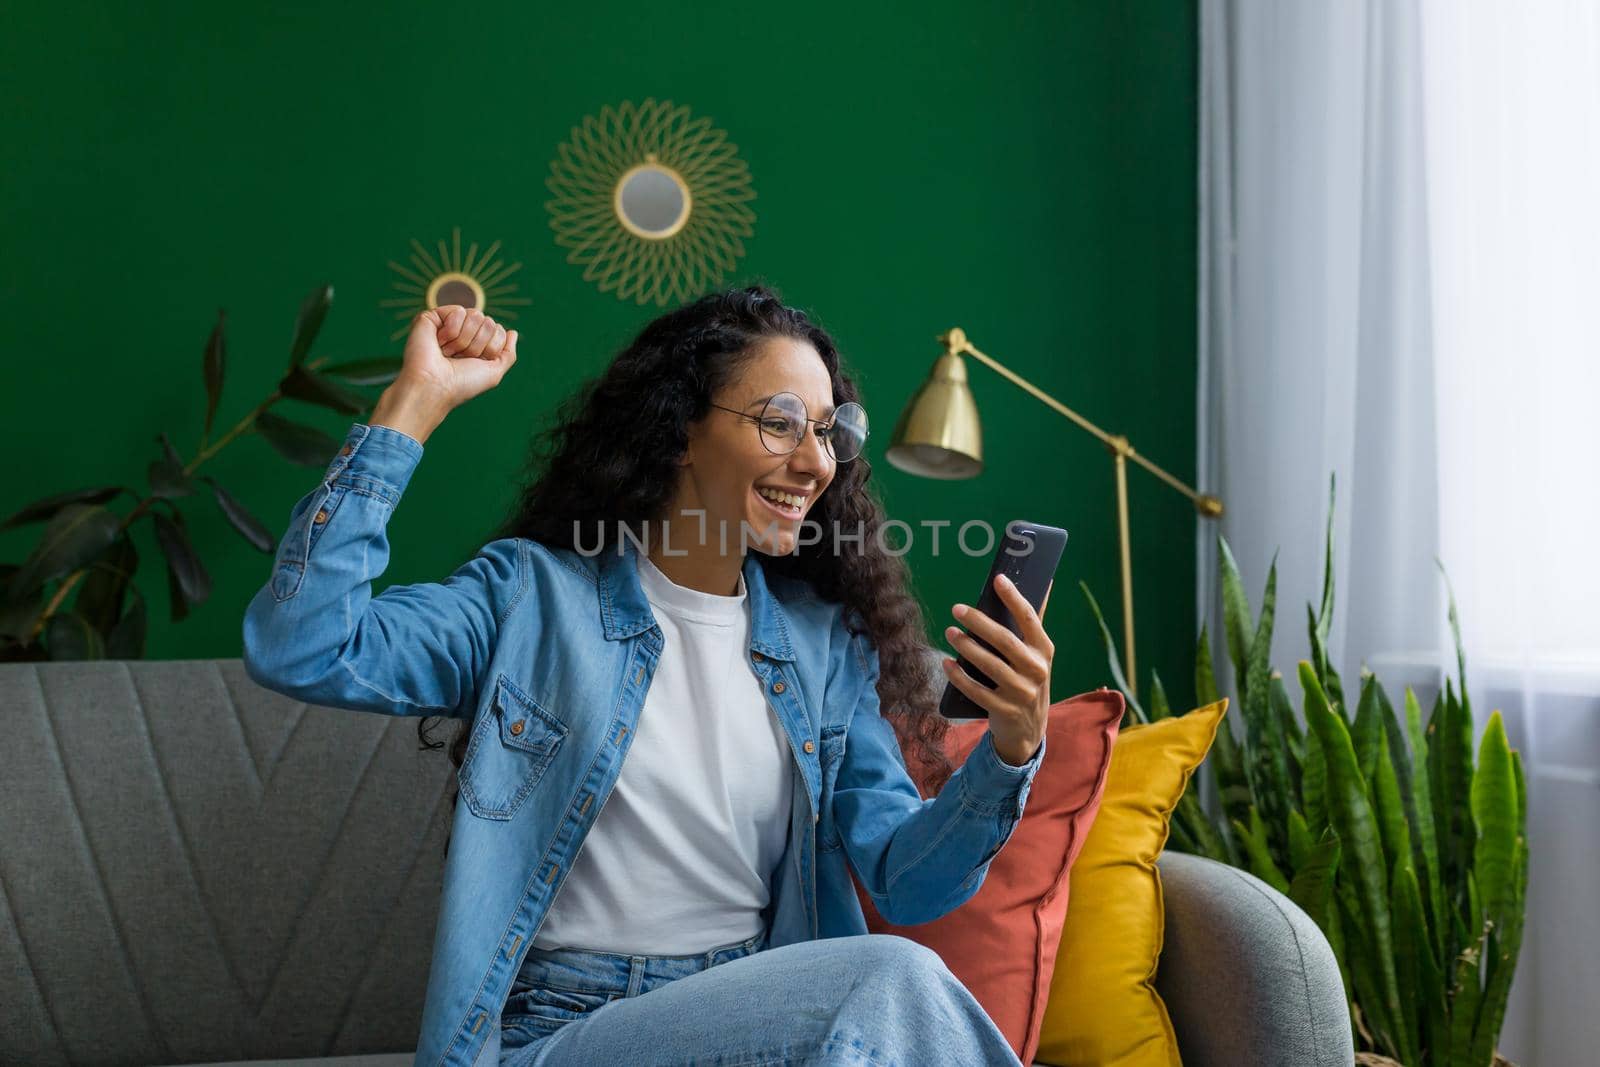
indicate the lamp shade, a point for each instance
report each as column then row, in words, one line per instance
column 938, row 435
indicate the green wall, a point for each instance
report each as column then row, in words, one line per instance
column 1025, row 171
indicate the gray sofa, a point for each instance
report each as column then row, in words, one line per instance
column 194, row 869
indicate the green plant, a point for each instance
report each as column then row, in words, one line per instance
column 1410, row 857
column 87, row 548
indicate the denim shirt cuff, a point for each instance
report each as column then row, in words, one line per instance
column 991, row 785
column 376, row 454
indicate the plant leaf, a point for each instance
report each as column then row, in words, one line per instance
column 1452, row 794
column 1312, row 886
column 1352, row 818
column 1455, row 632
column 1394, row 731
column 1254, row 839
column 167, row 450
column 19, row 614
column 306, row 324
column 1504, row 947
column 1227, row 765
column 1494, row 813
column 212, row 366
column 379, row 371
column 246, row 523
column 1420, row 811
column 1266, row 762
column 127, row 637
column 69, row 636
column 1421, row 984
column 186, row 573
column 1336, row 940
column 46, row 508
column 1236, row 617
column 1390, row 809
column 303, row 384
column 295, row 441
column 1466, row 992
column 168, row 481
column 1318, row 626
column 1366, row 730
column 101, row 592
column 1205, row 678
column 77, row 534
column 1203, row 836
column 1289, row 729
column 1133, row 707
column 1365, row 985
column 1159, row 708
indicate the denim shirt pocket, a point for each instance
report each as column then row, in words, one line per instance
column 511, row 747
column 310, row 520
column 833, row 742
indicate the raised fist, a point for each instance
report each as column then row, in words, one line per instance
column 457, row 353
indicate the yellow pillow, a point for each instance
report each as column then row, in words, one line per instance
column 1103, row 1009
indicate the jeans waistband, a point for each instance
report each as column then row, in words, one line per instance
column 621, row 973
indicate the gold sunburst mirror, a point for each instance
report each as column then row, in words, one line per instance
column 473, row 280
column 651, row 201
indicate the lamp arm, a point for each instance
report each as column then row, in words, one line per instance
column 956, row 341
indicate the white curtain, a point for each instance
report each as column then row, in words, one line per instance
column 1400, row 286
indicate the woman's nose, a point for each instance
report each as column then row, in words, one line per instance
column 811, row 456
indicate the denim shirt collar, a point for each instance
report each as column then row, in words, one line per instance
column 625, row 611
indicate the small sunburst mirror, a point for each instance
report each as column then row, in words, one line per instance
column 473, row 281
column 651, row 201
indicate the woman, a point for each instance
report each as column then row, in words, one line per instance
column 694, row 571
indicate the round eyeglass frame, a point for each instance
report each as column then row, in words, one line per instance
column 827, row 441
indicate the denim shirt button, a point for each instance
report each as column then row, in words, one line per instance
column 322, row 516
column 811, row 746
column 755, row 656
column 516, row 728
column 777, row 687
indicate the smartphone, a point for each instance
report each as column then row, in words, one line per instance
column 1028, row 555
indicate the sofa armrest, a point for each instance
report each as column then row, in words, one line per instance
column 1245, row 974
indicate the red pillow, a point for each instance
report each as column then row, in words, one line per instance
column 1002, row 942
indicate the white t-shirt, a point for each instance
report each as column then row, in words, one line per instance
column 680, row 858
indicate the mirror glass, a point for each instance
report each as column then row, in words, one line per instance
column 456, row 292
column 653, row 201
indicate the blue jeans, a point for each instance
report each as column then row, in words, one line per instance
column 872, row 999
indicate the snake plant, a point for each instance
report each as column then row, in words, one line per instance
column 1409, row 854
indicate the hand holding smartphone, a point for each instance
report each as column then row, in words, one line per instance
column 1028, row 555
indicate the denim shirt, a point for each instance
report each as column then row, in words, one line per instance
column 548, row 653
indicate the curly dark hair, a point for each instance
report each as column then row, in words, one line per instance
column 610, row 461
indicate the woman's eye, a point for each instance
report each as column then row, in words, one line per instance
column 779, row 426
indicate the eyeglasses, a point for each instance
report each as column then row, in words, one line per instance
column 783, row 422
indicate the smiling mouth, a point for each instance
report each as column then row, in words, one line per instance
column 778, row 507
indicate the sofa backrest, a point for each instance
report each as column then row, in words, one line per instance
column 194, row 868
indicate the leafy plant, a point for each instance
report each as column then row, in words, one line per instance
column 1412, row 858
column 88, row 550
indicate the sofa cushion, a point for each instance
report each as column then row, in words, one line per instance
column 1103, row 1007
column 1002, row 942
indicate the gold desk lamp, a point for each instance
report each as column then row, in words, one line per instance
column 938, row 436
